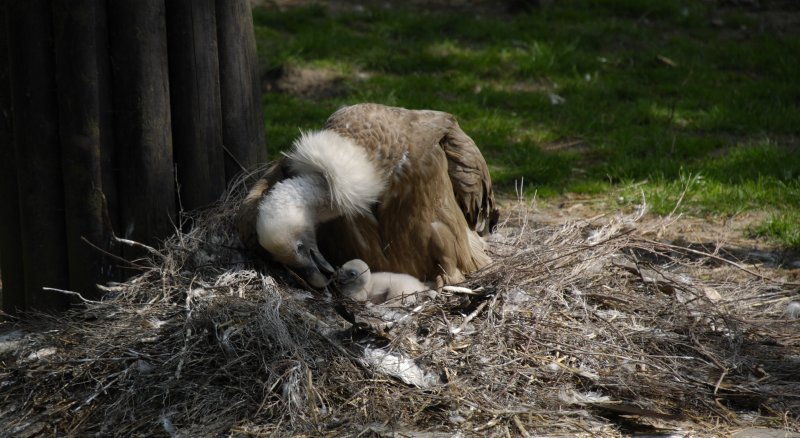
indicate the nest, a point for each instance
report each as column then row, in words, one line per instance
column 590, row 327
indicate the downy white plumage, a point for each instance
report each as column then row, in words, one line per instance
column 359, row 284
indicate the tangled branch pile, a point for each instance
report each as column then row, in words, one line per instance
column 590, row 327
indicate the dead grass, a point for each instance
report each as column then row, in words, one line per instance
column 587, row 327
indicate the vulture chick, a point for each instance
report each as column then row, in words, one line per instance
column 404, row 190
column 359, row 284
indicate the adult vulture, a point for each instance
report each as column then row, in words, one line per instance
column 404, row 190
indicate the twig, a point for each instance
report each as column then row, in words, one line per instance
column 683, row 192
column 469, row 318
column 721, row 259
column 719, row 381
column 722, row 368
column 582, row 248
column 459, row 290
column 110, row 254
column 136, row 244
column 69, row 292
column 233, row 157
column 183, row 352
column 100, row 391
column 519, row 425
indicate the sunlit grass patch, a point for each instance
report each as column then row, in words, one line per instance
column 783, row 228
column 696, row 194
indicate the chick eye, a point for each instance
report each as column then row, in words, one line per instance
column 352, row 274
column 301, row 246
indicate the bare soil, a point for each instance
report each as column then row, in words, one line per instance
column 729, row 236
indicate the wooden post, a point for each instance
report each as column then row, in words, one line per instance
column 195, row 101
column 77, row 82
column 90, row 102
column 242, row 120
column 108, row 155
column 142, row 126
column 38, row 159
column 10, row 232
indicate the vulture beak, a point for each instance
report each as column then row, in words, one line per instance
column 314, row 268
column 320, row 261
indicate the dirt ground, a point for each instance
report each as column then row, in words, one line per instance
column 729, row 236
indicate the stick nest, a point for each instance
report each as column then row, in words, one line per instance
column 586, row 328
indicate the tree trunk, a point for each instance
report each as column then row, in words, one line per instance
column 195, row 101
column 108, row 155
column 242, row 120
column 10, row 235
column 77, row 83
column 142, row 126
column 38, row 159
column 93, row 93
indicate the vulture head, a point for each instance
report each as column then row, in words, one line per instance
column 286, row 229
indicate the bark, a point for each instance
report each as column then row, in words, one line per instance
column 195, row 101
column 142, row 125
column 38, row 157
column 78, row 89
column 13, row 282
column 242, row 120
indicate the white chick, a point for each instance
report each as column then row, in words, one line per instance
column 359, row 284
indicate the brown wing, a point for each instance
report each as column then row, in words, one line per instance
column 472, row 184
column 415, row 230
column 415, row 130
column 248, row 211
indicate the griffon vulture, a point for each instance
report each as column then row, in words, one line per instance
column 404, row 190
column 359, row 284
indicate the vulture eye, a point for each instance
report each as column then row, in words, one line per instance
column 352, row 274
column 301, row 246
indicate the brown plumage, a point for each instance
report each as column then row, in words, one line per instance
column 405, row 191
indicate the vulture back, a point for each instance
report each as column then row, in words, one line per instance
column 439, row 191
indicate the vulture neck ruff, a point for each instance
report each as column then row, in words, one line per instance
column 353, row 180
column 333, row 177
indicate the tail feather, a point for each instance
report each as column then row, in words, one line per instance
column 477, row 247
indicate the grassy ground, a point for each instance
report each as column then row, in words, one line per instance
column 675, row 99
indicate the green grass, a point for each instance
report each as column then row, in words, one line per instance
column 652, row 92
column 783, row 228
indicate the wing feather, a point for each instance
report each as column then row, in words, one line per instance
column 472, row 184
